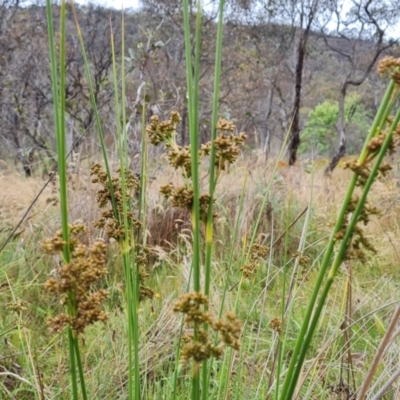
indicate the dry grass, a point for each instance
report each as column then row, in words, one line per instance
column 373, row 285
column 165, row 225
column 17, row 193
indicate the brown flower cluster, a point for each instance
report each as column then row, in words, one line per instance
column 258, row 252
column 359, row 242
column 304, row 261
column 200, row 346
column 226, row 145
column 276, row 325
column 390, row 65
column 374, row 146
column 179, row 157
column 165, row 131
column 182, row 197
column 112, row 219
column 74, row 282
column 227, row 151
column 142, row 262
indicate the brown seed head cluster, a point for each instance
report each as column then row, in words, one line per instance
column 276, row 325
column 258, row 252
column 390, row 65
column 304, row 261
column 374, row 146
column 18, row 306
column 359, row 242
column 179, row 157
column 142, row 262
column 200, row 346
column 109, row 221
column 227, row 144
column 227, row 151
column 74, row 282
column 165, row 131
column 182, row 197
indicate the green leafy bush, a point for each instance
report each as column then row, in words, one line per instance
column 320, row 135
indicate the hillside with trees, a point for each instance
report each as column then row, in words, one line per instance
column 283, row 65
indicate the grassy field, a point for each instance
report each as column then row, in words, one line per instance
column 33, row 360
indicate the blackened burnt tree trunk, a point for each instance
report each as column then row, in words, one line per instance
column 307, row 14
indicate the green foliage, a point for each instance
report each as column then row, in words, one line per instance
column 319, row 135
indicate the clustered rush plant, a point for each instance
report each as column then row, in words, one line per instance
column 200, row 345
column 112, row 223
column 347, row 235
column 63, row 239
column 227, row 151
column 75, row 282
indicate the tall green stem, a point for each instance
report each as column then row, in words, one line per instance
column 310, row 322
column 193, row 101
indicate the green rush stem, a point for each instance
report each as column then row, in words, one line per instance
column 343, row 248
column 96, row 111
column 283, row 305
column 194, row 144
column 72, row 363
column 133, row 272
column 143, row 179
column 192, row 93
column 178, row 348
column 127, row 244
column 129, row 300
column 80, row 368
column 309, row 325
column 59, row 116
column 213, row 179
column 61, row 142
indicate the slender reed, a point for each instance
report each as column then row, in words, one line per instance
column 193, row 101
column 343, row 232
column 58, row 84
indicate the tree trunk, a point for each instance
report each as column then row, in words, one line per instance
column 266, row 137
column 294, row 138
